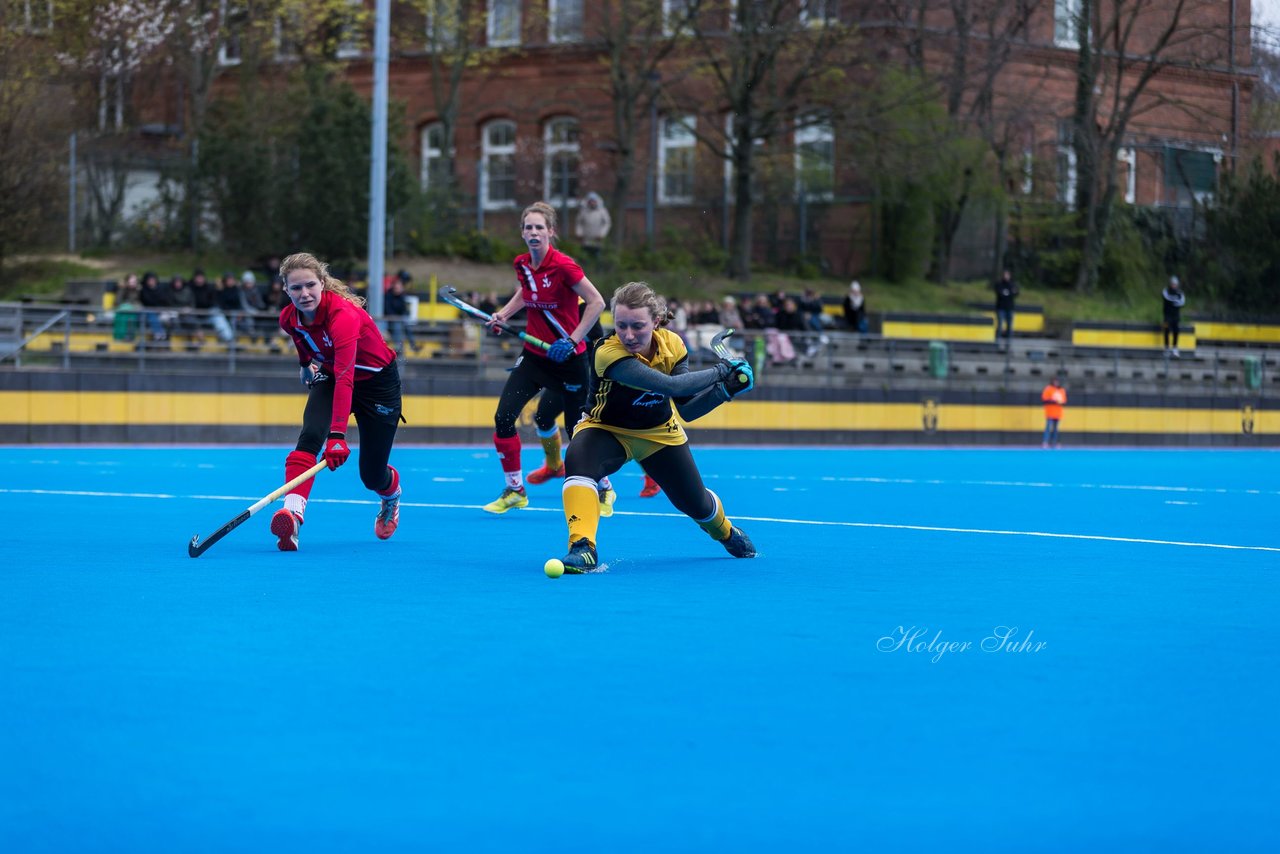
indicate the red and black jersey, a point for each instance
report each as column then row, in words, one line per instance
column 345, row 340
column 549, row 288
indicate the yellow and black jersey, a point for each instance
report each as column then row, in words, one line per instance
column 618, row 405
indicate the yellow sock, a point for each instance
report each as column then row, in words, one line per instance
column 717, row 524
column 581, row 508
column 551, row 447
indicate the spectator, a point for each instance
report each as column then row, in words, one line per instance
column 124, row 324
column 152, row 296
column 207, row 296
column 855, row 308
column 251, row 304
column 707, row 314
column 789, row 318
column 760, row 314
column 592, row 226
column 396, row 309
column 730, row 317
column 227, row 302
column 489, row 303
column 1174, row 300
column 1054, row 398
column 815, row 318
column 183, row 301
column 1006, row 291
column 679, row 320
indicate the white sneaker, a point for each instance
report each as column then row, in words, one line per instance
column 285, row 524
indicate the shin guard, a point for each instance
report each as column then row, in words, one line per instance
column 717, row 524
column 581, row 508
column 295, row 464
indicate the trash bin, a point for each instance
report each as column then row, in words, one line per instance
column 1253, row 371
column 938, row 359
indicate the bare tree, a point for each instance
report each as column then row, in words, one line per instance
column 637, row 41
column 759, row 61
column 34, row 122
column 962, row 47
column 1124, row 46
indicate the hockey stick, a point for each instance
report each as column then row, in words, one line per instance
column 555, row 324
column 195, row 548
column 722, row 350
column 450, row 295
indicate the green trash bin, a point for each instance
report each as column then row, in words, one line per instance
column 938, row 359
column 1253, row 371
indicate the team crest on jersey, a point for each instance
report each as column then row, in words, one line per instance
column 649, row 398
column 328, row 342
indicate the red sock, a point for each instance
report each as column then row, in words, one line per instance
column 394, row 486
column 508, row 452
column 295, row 464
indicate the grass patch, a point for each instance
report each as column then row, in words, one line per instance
column 42, row 277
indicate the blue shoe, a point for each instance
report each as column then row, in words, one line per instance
column 738, row 543
column 581, row 557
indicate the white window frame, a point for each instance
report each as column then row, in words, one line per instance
column 1066, row 23
column 567, row 15
column 1067, row 174
column 819, row 13
column 430, row 153
column 445, row 36
column 676, row 134
column 286, row 49
column 488, row 152
column 553, row 148
column 351, row 45
column 495, row 18
column 230, row 50
column 815, row 133
column 673, row 9
column 32, row 21
column 1200, row 196
column 1028, row 171
column 1129, row 156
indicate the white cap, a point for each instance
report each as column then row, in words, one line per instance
column 1173, row 280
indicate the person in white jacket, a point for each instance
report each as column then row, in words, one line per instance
column 592, row 226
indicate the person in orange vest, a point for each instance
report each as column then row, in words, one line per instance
column 1054, row 397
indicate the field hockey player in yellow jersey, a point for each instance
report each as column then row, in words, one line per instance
column 639, row 371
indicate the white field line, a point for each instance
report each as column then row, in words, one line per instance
column 993, row 532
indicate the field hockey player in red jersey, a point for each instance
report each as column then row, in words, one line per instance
column 640, row 370
column 349, row 369
column 550, row 284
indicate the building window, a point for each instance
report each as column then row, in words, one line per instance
column 287, row 46
column 1067, row 25
column 566, row 20
column 676, row 15
column 675, row 160
column 563, row 156
column 37, row 15
column 1128, row 158
column 498, row 165
column 443, row 19
column 1066, row 165
column 235, row 20
column 757, row 151
column 504, row 23
column 351, row 35
column 434, row 166
column 817, row 13
column 1190, row 175
column 815, row 158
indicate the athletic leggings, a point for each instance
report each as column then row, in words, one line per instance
column 375, row 402
column 532, row 374
column 597, row 453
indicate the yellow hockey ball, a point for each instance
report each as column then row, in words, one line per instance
column 554, row 568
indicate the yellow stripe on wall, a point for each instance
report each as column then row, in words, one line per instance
column 937, row 331
column 189, row 408
column 1153, row 340
column 1237, row 332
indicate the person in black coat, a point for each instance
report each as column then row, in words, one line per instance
column 1006, row 292
column 1174, row 299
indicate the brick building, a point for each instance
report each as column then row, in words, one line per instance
column 535, row 113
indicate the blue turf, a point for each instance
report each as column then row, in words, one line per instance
column 437, row 692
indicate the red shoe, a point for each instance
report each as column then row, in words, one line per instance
column 651, row 488
column 285, row 525
column 388, row 518
column 544, row 474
